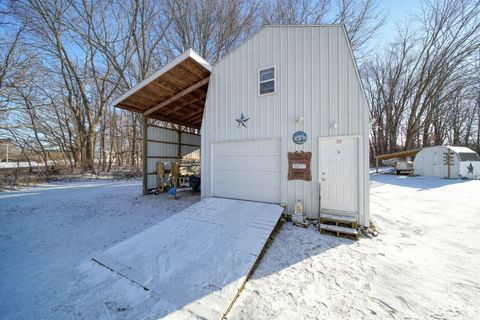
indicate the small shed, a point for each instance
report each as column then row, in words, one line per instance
column 435, row 161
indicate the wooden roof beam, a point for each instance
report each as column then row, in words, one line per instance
column 192, row 88
column 401, row 154
column 180, row 107
column 194, row 115
column 173, row 121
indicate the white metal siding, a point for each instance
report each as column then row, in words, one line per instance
column 316, row 79
column 464, row 172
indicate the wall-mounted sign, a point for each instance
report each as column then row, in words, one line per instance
column 299, row 166
column 299, row 137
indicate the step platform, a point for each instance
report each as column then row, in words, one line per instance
column 339, row 230
column 339, row 223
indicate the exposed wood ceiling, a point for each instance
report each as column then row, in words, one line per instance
column 175, row 94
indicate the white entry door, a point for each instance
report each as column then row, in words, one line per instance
column 247, row 170
column 338, row 173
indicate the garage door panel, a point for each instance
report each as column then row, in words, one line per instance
column 222, row 150
column 270, row 180
column 251, row 163
column 270, row 163
column 251, row 148
column 236, row 163
column 265, row 194
column 250, row 170
column 270, row 149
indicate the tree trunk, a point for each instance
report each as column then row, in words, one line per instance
column 90, row 150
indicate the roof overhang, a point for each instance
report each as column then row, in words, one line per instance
column 176, row 93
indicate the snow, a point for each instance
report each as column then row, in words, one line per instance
column 197, row 259
column 423, row 265
column 48, row 235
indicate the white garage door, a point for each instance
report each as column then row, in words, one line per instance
column 248, row 170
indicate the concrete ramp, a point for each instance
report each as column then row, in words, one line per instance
column 198, row 259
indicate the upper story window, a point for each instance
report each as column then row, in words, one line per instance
column 266, row 81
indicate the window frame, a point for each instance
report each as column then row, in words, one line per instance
column 464, row 156
column 274, row 79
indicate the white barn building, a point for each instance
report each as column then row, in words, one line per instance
column 431, row 161
column 283, row 81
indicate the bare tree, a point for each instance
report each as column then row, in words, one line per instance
column 361, row 18
column 420, row 91
column 212, row 27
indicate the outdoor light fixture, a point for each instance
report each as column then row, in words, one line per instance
column 333, row 125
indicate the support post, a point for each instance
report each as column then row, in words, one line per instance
column 144, row 156
column 179, row 144
column 449, row 163
column 376, row 159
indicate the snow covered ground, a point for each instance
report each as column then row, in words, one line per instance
column 425, row 264
column 48, row 235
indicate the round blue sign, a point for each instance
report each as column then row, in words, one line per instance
column 299, row 137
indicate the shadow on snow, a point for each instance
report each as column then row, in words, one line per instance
column 416, row 182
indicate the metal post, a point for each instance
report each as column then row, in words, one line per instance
column 144, row 156
column 179, row 144
column 7, row 153
column 449, row 163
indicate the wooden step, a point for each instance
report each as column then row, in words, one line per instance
column 339, row 218
column 340, row 212
column 339, row 230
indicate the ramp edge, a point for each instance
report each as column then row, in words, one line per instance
column 254, row 265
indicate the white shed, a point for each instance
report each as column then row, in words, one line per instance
column 432, row 161
column 287, row 79
column 287, row 89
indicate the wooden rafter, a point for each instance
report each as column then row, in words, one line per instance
column 194, row 115
column 180, row 107
column 190, row 89
column 174, row 121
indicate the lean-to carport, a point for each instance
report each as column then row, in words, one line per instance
column 175, row 94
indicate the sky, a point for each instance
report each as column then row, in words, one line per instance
column 396, row 12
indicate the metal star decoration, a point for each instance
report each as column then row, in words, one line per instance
column 242, row 121
column 470, row 168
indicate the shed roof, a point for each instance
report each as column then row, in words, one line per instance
column 460, row 149
column 176, row 93
column 454, row 149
